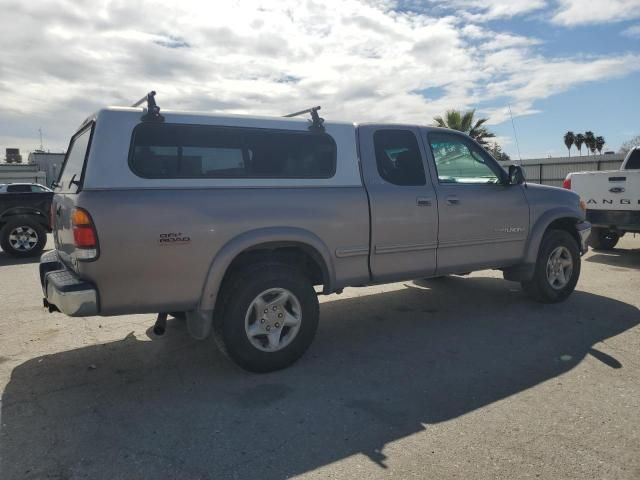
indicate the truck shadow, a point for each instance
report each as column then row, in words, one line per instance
column 618, row 257
column 382, row 367
column 7, row 260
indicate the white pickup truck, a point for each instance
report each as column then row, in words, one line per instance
column 612, row 198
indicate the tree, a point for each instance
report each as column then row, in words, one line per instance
column 590, row 141
column 600, row 143
column 629, row 144
column 496, row 152
column 463, row 122
column 569, row 137
column 578, row 141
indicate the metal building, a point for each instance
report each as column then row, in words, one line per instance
column 49, row 163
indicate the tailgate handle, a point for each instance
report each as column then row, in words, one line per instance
column 617, row 179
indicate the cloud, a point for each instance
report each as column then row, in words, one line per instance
column 482, row 10
column 582, row 12
column 362, row 61
column 633, row 31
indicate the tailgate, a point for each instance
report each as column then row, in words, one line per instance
column 608, row 190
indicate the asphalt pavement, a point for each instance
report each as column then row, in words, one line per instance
column 460, row 377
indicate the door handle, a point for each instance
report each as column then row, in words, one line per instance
column 452, row 201
column 423, row 202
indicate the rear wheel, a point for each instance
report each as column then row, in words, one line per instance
column 603, row 238
column 268, row 317
column 23, row 237
column 557, row 268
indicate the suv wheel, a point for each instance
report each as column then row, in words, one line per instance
column 23, row 237
column 268, row 318
column 557, row 268
column 603, row 239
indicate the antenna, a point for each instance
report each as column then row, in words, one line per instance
column 41, row 146
column 513, row 125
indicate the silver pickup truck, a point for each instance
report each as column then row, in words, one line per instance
column 231, row 221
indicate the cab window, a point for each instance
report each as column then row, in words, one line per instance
column 459, row 160
column 398, row 157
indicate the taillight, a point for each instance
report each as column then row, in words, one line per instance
column 84, row 234
column 567, row 183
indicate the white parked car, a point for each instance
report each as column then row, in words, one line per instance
column 612, row 198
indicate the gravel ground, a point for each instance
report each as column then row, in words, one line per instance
column 461, row 377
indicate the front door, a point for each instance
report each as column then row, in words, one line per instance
column 404, row 208
column 484, row 221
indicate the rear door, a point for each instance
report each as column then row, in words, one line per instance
column 404, row 212
column 484, row 222
column 67, row 186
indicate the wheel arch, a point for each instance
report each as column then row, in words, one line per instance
column 31, row 213
column 559, row 219
column 286, row 243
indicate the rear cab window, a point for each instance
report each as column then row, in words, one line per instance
column 202, row 151
column 634, row 160
column 70, row 178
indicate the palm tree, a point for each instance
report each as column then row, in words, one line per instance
column 578, row 141
column 600, row 143
column 590, row 141
column 569, row 137
column 463, row 122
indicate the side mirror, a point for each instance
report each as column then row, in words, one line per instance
column 516, row 175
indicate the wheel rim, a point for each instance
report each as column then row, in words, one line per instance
column 273, row 319
column 559, row 267
column 23, row 238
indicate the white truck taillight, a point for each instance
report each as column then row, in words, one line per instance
column 567, row 182
column 85, row 237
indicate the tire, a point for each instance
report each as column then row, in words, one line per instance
column 238, row 327
column 548, row 284
column 23, row 237
column 603, row 239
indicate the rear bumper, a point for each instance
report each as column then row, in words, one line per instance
column 584, row 230
column 626, row 220
column 64, row 291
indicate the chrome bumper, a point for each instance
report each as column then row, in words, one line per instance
column 584, row 230
column 64, row 291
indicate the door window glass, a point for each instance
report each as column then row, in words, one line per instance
column 460, row 161
column 398, row 157
column 19, row 188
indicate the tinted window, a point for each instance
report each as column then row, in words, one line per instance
column 74, row 161
column 461, row 161
column 19, row 188
column 398, row 157
column 196, row 151
column 634, row 160
column 38, row 189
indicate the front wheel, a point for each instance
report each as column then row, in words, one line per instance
column 557, row 268
column 268, row 317
column 603, row 238
column 23, row 237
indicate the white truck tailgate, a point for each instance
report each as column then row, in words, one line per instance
column 608, row 190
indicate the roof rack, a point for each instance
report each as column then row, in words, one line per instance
column 153, row 110
column 317, row 123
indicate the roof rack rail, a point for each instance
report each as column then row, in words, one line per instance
column 153, row 110
column 317, row 123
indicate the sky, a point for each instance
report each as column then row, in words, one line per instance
column 559, row 64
